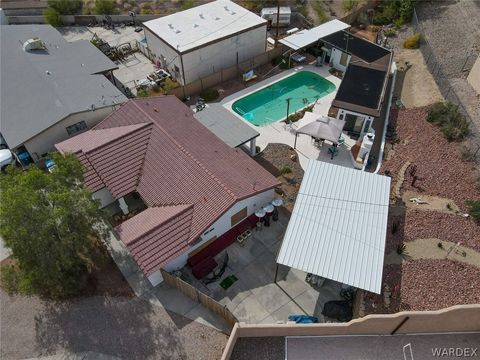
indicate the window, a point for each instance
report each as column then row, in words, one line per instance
column 76, row 128
column 239, row 216
column 343, row 59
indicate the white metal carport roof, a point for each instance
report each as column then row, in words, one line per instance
column 305, row 38
column 338, row 226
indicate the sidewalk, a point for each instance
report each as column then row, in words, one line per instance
column 162, row 295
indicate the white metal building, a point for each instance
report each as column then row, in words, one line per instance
column 338, row 226
column 197, row 42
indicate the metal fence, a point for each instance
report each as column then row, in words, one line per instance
column 445, row 86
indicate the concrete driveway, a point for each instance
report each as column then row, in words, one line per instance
column 255, row 298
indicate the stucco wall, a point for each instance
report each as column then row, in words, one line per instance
column 335, row 60
column 45, row 141
column 161, row 50
column 220, row 55
column 474, row 76
column 211, row 58
column 223, row 224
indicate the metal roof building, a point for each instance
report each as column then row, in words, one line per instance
column 338, row 226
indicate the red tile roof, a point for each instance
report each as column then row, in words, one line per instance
column 156, row 147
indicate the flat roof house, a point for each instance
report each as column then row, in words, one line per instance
column 51, row 89
column 197, row 42
column 192, row 186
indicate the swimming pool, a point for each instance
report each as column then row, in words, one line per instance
column 269, row 105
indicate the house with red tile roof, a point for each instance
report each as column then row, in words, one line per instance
column 193, row 187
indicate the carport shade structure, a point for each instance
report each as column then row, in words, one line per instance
column 338, row 226
column 324, row 127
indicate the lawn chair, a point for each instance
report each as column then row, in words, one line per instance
column 248, row 76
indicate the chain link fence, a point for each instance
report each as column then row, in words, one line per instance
column 446, row 88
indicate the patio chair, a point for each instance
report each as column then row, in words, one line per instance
column 248, row 76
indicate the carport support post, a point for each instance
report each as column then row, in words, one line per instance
column 295, row 143
column 276, row 273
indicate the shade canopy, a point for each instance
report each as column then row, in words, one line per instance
column 338, row 226
column 322, row 127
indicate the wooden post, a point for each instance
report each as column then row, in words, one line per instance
column 278, row 22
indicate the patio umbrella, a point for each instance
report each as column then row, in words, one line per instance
column 277, row 202
column 260, row 213
column 323, row 127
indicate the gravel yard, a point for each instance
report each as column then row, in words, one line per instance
column 126, row 328
column 453, row 31
column 427, row 284
column 437, row 284
column 439, row 162
column 276, row 157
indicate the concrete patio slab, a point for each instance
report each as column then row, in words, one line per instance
column 241, row 256
column 271, row 297
column 173, row 300
column 250, row 311
column 204, row 316
column 289, row 308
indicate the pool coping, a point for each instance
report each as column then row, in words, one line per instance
column 228, row 101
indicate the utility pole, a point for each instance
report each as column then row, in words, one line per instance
column 278, row 22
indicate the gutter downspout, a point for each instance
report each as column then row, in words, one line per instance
column 387, row 120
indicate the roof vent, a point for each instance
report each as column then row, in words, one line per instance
column 34, row 44
column 226, row 8
column 177, row 31
column 170, row 26
column 201, row 16
column 233, row 13
column 366, row 87
column 195, row 25
column 217, row 18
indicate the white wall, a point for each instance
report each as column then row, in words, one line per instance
column 223, row 54
column 45, row 141
column 211, row 58
column 161, row 50
column 105, row 197
column 223, row 224
column 335, row 60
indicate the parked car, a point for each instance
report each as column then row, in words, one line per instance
column 6, row 158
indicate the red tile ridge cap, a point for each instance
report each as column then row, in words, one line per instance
column 143, row 234
column 141, row 127
column 188, row 153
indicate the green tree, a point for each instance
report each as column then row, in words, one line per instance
column 104, row 7
column 52, row 226
column 66, row 7
column 52, row 17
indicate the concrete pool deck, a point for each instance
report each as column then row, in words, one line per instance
column 279, row 132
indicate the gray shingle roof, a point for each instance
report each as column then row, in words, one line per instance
column 41, row 87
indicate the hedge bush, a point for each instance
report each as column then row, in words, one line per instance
column 452, row 123
column 210, row 94
column 52, row 17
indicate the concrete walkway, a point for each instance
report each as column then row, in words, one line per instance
column 162, row 295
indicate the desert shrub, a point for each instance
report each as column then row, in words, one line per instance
column 349, row 5
column 398, row 11
column 401, row 249
column 390, row 33
column 209, row 94
column 412, row 42
column 321, row 14
column 467, row 152
column 452, row 123
column 286, row 170
column 170, row 85
column 104, row 7
column 142, row 93
column 52, row 17
column 474, row 209
column 66, row 7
